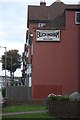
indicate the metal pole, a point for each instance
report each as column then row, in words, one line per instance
column 5, row 65
column 5, row 62
column 11, row 67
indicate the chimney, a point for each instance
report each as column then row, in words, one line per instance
column 57, row 1
column 42, row 3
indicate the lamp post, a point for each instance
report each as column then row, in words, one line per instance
column 11, row 68
column 5, row 60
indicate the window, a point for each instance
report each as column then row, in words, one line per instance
column 41, row 24
column 77, row 17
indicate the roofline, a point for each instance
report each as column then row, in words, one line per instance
column 72, row 9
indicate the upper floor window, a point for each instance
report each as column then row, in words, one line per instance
column 77, row 17
column 41, row 24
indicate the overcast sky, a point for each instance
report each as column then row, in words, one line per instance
column 13, row 23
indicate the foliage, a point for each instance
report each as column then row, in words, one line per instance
column 53, row 97
column 4, row 92
column 13, row 61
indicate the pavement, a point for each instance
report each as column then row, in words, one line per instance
column 27, row 112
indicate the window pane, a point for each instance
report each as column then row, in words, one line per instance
column 78, row 17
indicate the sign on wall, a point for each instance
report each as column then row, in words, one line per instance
column 48, row 35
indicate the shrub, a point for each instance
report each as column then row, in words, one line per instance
column 4, row 92
column 53, row 97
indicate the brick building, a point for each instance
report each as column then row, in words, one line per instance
column 54, row 34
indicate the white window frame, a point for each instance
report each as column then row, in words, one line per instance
column 76, row 17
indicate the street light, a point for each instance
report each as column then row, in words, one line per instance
column 11, row 68
column 5, row 60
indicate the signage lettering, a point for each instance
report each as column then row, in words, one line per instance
column 40, row 34
column 48, row 35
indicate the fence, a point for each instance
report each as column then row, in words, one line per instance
column 64, row 109
column 19, row 93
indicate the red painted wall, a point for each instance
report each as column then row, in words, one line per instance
column 55, row 64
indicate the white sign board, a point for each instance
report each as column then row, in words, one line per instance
column 48, row 35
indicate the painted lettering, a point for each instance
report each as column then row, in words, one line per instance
column 42, row 34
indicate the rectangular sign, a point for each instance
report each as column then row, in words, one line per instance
column 48, row 35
